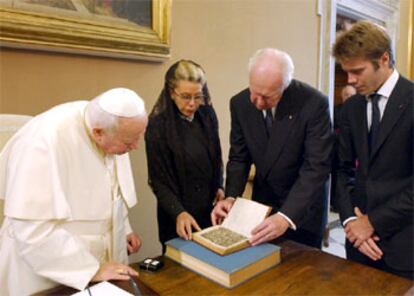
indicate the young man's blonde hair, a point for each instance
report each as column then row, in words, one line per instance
column 364, row 40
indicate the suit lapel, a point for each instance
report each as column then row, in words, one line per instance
column 257, row 126
column 361, row 131
column 285, row 117
column 395, row 107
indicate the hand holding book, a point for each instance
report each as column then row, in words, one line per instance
column 240, row 217
column 221, row 210
column 271, row 228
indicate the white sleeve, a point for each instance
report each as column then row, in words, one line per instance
column 128, row 228
column 291, row 224
column 54, row 253
column 349, row 220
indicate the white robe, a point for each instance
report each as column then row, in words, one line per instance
column 59, row 195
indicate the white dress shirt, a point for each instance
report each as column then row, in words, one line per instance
column 385, row 92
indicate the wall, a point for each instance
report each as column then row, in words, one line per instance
column 403, row 49
column 218, row 34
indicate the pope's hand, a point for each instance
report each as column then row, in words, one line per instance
column 185, row 224
column 133, row 243
column 113, row 271
column 221, row 210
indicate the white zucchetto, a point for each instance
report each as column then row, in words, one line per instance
column 121, row 102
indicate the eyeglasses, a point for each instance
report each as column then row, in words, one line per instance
column 187, row 97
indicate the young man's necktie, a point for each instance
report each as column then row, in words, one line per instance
column 375, row 122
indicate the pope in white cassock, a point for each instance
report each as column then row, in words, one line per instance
column 66, row 181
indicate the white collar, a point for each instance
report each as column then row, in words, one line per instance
column 273, row 109
column 386, row 89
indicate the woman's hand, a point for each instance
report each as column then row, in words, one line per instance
column 185, row 224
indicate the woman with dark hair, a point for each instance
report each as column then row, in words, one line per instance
column 184, row 154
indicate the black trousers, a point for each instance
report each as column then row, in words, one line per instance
column 355, row 255
column 304, row 237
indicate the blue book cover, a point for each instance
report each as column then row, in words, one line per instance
column 229, row 263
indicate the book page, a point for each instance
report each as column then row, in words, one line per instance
column 245, row 215
column 103, row 289
column 223, row 237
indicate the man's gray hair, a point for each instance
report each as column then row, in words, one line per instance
column 286, row 62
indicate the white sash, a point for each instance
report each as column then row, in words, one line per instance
column 119, row 244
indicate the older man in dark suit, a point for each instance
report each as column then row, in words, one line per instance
column 375, row 176
column 282, row 126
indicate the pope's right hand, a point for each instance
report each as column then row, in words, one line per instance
column 113, row 271
column 221, row 210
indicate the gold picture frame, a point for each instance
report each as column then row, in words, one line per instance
column 97, row 35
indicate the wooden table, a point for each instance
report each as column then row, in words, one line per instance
column 302, row 271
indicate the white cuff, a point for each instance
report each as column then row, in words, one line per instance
column 291, row 224
column 349, row 219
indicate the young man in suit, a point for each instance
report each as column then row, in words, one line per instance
column 282, row 126
column 375, row 174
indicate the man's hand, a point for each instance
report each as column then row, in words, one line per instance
column 370, row 248
column 221, row 210
column 272, row 227
column 219, row 196
column 185, row 224
column 133, row 243
column 359, row 230
column 113, row 271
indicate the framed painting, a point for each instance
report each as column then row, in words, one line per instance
column 133, row 29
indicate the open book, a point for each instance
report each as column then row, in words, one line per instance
column 235, row 231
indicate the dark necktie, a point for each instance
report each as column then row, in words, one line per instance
column 375, row 122
column 268, row 121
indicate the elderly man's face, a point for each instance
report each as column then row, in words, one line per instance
column 124, row 139
column 266, row 89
